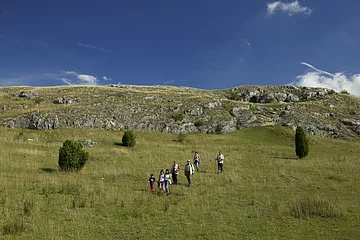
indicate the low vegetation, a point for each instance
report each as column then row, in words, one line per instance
column 265, row 192
column 129, row 139
column 72, row 157
column 301, row 143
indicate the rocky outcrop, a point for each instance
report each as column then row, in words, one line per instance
column 26, row 95
column 260, row 94
column 321, row 112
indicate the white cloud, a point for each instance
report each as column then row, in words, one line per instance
column 87, row 79
column 337, row 81
column 93, row 47
column 289, row 8
column 46, row 78
column 82, row 79
column 106, row 78
column 67, row 81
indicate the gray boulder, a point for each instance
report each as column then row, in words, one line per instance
column 280, row 97
column 63, row 100
column 26, row 95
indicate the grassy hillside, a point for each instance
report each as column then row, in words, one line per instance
column 264, row 193
column 179, row 109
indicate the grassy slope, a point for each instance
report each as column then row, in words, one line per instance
column 107, row 199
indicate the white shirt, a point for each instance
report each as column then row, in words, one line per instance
column 220, row 158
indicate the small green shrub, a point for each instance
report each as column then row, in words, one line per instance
column 301, row 143
column 254, row 99
column 233, row 96
column 129, row 139
column 219, row 128
column 345, row 92
column 71, row 156
column 271, row 100
column 198, row 123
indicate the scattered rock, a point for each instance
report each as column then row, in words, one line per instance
column 63, row 100
column 88, row 143
column 357, row 129
column 26, row 95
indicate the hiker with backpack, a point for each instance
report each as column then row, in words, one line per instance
column 197, row 160
column 188, row 171
column 220, row 160
column 175, row 172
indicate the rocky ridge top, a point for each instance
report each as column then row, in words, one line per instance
column 321, row 112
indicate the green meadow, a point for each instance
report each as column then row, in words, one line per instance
column 265, row 192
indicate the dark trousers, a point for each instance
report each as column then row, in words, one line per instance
column 196, row 162
column 174, row 177
column 188, row 177
column 167, row 183
column 220, row 167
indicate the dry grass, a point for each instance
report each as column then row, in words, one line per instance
column 264, row 193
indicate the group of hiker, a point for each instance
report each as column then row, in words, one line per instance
column 166, row 177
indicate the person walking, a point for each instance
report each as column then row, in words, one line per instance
column 175, row 172
column 161, row 180
column 152, row 182
column 197, row 160
column 167, row 180
column 188, row 171
column 220, row 160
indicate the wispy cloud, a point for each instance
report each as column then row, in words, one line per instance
column 93, row 47
column 81, row 78
column 336, row 81
column 245, row 43
column 106, row 78
column 317, row 70
column 289, row 8
column 169, row 82
column 48, row 79
column 214, row 64
column 15, row 80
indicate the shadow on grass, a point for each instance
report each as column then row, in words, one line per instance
column 280, row 157
column 48, row 170
column 118, row 144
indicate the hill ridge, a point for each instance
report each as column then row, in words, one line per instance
column 320, row 111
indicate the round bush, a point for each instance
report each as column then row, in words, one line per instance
column 128, row 139
column 71, row 156
column 301, row 143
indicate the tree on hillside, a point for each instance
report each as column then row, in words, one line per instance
column 71, row 156
column 301, row 143
column 129, row 139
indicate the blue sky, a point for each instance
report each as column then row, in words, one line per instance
column 210, row 44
